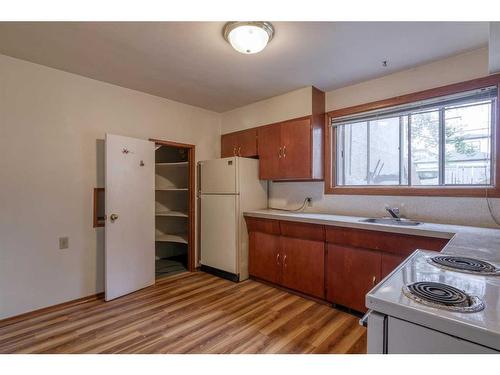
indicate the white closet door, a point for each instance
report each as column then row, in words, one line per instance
column 130, row 220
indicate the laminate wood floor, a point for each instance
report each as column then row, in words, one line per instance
column 190, row 313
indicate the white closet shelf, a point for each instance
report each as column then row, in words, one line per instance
column 179, row 238
column 170, row 189
column 175, row 164
column 171, row 213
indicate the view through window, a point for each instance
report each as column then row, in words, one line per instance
column 440, row 142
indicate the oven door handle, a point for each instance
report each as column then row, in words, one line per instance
column 364, row 320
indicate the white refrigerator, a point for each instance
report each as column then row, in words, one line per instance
column 228, row 187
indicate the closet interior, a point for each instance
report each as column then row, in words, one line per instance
column 171, row 210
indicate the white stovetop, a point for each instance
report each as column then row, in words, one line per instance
column 482, row 327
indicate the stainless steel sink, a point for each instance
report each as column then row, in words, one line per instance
column 391, row 221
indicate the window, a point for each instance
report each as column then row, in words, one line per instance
column 439, row 142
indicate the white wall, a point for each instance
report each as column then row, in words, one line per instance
column 459, row 68
column 52, row 125
column 297, row 103
column 467, row 211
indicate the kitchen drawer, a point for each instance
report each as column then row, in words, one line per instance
column 269, row 226
column 395, row 243
column 306, row 231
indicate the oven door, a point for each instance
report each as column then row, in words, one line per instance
column 408, row 338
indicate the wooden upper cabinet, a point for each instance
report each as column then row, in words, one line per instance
column 228, row 145
column 296, row 149
column 270, row 151
column 289, row 151
column 243, row 143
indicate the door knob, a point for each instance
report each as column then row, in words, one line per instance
column 113, row 217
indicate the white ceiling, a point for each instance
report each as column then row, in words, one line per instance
column 191, row 63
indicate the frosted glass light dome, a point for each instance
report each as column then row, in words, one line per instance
column 248, row 37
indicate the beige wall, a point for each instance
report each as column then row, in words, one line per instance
column 467, row 211
column 470, row 65
column 52, row 125
column 297, row 103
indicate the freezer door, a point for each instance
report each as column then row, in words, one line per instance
column 219, row 232
column 218, row 176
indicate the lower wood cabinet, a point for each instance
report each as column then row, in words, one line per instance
column 303, row 265
column 263, row 257
column 352, row 272
column 334, row 263
column 294, row 263
column 389, row 262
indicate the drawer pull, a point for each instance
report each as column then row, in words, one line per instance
column 374, row 280
column 278, row 259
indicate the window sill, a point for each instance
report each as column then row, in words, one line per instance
column 450, row 191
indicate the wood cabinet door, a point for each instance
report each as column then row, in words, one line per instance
column 264, row 260
column 269, row 152
column 389, row 263
column 228, row 145
column 297, row 153
column 246, row 143
column 304, row 266
column 351, row 273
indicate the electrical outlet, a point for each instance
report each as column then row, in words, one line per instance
column 63, row 243
column 309, row 201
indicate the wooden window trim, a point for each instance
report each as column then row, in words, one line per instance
column 451, row 191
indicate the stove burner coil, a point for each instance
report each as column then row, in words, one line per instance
column 464, row 264
column 442, row 296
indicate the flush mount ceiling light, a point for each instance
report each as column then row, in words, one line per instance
column 248, row 37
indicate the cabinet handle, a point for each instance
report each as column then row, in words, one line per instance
column 239, row 151
column 284, row 151
column 278, row 259
column 234, row 151
column 279, row 153
column 374, row 280
column 284, row 261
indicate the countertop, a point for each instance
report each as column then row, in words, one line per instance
column 482, row 243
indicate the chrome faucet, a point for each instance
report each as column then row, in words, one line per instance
column 394, row 212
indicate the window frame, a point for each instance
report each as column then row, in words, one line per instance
column 445, row 191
